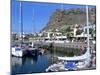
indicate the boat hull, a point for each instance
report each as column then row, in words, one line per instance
column 17, row 53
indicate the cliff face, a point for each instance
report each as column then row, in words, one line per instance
column 62, row 19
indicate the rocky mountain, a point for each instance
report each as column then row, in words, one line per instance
column 62, row 19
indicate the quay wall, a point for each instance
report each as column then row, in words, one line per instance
column 68, row 45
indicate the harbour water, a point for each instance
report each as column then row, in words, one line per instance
column 30, row 64
column 35, row 64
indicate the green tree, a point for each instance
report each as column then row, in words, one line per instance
column 78, row 32
column 91, row 31
column 68, row 29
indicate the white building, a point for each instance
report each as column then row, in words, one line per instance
column 84, row 28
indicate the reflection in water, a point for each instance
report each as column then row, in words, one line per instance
column 31, row 60
column 16, row 61
column 30, row 64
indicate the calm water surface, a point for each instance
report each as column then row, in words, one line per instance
column 30, row 65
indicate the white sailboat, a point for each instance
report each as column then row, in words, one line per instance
column 17, row 50
column 83, row 61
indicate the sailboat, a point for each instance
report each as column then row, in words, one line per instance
column 75, row 62
column 31, row 51
column 17, row 50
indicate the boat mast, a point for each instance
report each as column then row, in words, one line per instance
column 62, row 6
column 87, row 21
column 33, row 22
column 21, row 23
column 33, row 29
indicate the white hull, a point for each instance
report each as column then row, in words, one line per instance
column 60, row 67
column 77, row 58
column 83, row 62
column 17, row 53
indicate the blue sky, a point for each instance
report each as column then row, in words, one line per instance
column 38, row 20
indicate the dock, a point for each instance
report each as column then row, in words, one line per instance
column 65, row 44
